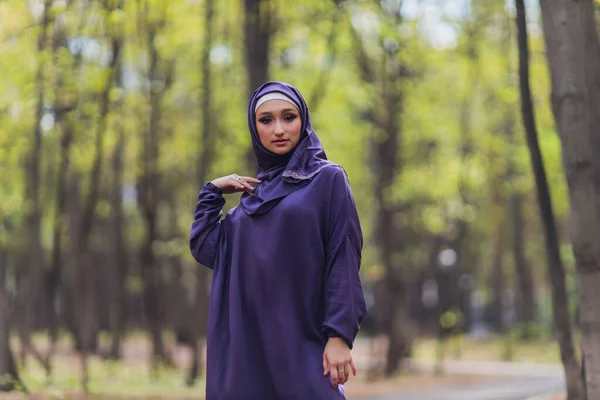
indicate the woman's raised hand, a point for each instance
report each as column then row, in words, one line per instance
column 235, row 184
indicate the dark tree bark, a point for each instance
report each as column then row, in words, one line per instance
column 200, row 305
column 84, row 277
column 384, row 160
column 556, row 269
column 258, row 30
column 118, row 273
column 320, row 87
column 385, row 164
column 498, row 283
column 53, row 278
column 33, row 256
column 573, row 54
column 9, row 376
column 525, row 293
column 63, row 106
column 149, row 196
column 526, row 301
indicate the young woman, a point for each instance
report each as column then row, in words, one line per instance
column 286, row 299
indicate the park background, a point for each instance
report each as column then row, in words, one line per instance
column 114, row 113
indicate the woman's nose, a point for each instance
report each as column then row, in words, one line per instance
column 279, row 129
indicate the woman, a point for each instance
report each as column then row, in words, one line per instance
column 286, row 299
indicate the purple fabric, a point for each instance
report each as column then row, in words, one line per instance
column 283, row 174
column 283, row 281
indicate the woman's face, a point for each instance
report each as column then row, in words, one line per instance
column 278, row 124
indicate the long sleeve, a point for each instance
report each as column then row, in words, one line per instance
column 204, row 234
column 344, row 299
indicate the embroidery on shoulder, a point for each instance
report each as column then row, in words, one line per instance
column 288, row 173
column 346, row 176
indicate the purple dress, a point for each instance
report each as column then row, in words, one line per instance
column 286, row 276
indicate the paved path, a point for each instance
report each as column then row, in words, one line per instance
column 522, row 382
column 511, row 389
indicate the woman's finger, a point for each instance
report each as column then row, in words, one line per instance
column 251, row 179
column 242, row 184
column 325, row 366
column 237, row 186
column 248, row 187
column 334, row 376
column 353, row 366
column 341, row 374
column 346, row 373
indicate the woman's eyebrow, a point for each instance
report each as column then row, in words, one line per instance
column 284, row 110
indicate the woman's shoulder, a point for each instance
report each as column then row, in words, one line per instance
column 334, row 173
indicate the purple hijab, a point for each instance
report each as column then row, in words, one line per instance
column 282, row 174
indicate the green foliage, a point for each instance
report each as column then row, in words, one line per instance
column 439, row 84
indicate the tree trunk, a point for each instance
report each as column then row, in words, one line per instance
column 258, row 30
column 497, row 275
column 53, row 278
column 118, row 273
column 573, row 54
column 9, row 376
column 33, row 257
column 4, row 328
column 384, row 161
column 149, row 185
column 200, row 305
column 386, row 167
column 63, row 105
column 398, row 332
column 525, row 293
column 319, row 91
column 526, row 297
column 556, row 269
column 85, row 284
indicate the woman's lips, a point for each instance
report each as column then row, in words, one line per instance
column 280, row 142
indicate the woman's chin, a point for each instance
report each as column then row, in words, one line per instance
column 281, row 150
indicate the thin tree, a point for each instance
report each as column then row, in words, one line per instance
column 84, row 276
column 9, row 375
column 386, row 166
column 206, row 153
column 160, row 74
column 119, row 270
column 33, row 257
column 523, row 270
column 320, row 86
column 556, row 270
column 258, row 31
column 64, row 104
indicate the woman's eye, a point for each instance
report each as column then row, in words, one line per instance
column 265, row 120
column 290, row 117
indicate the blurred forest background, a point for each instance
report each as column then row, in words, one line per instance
column 114, row 113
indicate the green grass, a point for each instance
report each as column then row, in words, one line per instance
column 111, row 378
column 130, row 379
column 495, row 349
